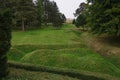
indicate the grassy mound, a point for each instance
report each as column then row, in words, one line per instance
column 84, row 75
column 73, row 58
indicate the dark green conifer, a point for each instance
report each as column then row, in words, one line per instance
column 5, row 36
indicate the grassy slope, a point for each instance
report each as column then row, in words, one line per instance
column 78, row 59
column 58, row 48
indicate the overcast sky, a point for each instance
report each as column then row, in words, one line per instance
column 68, row 7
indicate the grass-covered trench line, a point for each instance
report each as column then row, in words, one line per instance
column 22, row 74
column 59, row 49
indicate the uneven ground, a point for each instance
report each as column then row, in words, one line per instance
column 63, row 49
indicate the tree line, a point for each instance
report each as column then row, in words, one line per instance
column 101, row 16
column 27, row 13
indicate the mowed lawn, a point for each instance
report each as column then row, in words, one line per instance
column 60, row 49
column 43, row 37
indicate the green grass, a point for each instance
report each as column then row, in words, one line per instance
column 58, row 48
column 115, row 59
column 20, row 74
column 45, row 37
column 72, row 58
column 68, row 26
column 79, row 59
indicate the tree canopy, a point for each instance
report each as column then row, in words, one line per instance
column 27, row 13
column 81, row 13
column 105, row 16
column 102, row 16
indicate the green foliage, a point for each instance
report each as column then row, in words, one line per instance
column 27, row 13
column 5, row 37
column 83, row 9
column 80, row 21
column 24, row 13
column 73, row 22
column 52, row 14
column 82, row 15
column 105, row 17
column 39, row 11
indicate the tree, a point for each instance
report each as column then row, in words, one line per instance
column 46, row 9
column 81, row 21
column 82, row 15
column 56, row 15
column 39, row 11
column 5, row 36
column 25, row 12
column 83, row 9
column 57, row 18
column 105, row 16
column 74, row 21
column 52, row 13
column 63, row 17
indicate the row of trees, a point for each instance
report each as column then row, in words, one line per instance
column 27, row 13
column 103, row 16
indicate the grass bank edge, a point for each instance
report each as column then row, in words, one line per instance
column 85, row 75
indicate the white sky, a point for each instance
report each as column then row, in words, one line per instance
column 68, row 7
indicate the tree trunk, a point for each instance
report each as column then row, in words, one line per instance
column 83, row 28
column 23, row 25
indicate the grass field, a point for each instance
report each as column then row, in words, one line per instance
column 43, row 37
column 60, row 49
